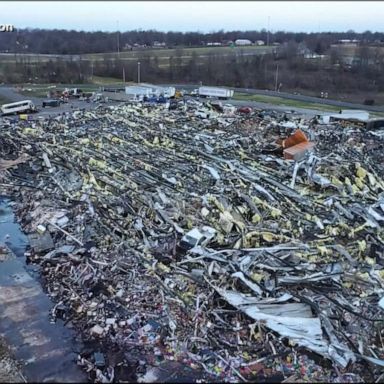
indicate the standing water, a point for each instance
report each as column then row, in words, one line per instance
column 46, row 350
column 10, row 232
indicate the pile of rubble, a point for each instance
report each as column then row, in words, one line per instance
column 165, row 236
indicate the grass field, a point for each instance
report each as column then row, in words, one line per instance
column 186, row 52
column 162, row 54
column 282, row 101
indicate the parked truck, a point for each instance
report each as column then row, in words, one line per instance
column 220, row 93
column 72, row 92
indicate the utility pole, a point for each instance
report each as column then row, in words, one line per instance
column 138, row 72
column 268, row 31
column 276, row 76
column 123, row 75
column 118, row 39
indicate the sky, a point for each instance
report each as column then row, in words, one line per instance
column 202, row 16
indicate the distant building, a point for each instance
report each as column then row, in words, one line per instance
column 215, row 44
column 313, row 55
column 243, row 42
column 157, row 44
column 303, row 50
column 259, row 42
column 349, row 42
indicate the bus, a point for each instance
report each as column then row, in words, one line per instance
column 24, row 106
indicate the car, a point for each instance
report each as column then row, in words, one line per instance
column 51, row 103
column 244, row 110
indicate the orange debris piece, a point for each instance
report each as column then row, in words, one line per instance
column 297, row 138
column 298, row 151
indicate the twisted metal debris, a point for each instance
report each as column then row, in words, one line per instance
column 295, row 265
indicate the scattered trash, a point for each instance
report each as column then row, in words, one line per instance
column 41, row 242
column 197, row 237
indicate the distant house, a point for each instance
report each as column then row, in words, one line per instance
column 259, row 42
column 215, row 44
column 304, row 50
column 348, row 41
column 157, row 44
column 243, row 42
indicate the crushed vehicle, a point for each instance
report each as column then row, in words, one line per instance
column 51, row 103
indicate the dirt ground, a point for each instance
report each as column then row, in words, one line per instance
column 9, row 367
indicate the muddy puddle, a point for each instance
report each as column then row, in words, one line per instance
column 47, row 351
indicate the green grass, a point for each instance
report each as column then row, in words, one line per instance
column 162, row 54
column 284, row 102
column 186, row 52
column 98, row 80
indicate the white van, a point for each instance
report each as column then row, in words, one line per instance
column 24, row 106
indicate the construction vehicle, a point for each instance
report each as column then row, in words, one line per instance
column 178, row 94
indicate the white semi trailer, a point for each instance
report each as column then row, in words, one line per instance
column 220, row 93
column 150, row 90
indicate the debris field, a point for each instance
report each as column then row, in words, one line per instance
column 164, row 237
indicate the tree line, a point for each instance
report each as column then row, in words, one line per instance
column 285, row 70
column 57, row 41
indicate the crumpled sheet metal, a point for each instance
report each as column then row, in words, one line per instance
column 132, row 180
column 303, row 330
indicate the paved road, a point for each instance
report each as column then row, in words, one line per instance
column 12, row 95
column 284, row 95
column 307, row 113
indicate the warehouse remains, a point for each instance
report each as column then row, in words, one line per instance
column 172, row 240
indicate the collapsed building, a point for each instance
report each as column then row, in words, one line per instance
column 170, row 237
